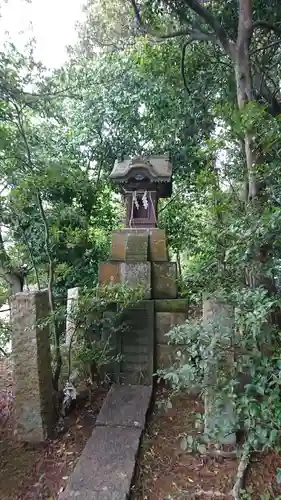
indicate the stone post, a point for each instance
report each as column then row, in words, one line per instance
column 219, row 413
column 32, row 366
column 72, row 302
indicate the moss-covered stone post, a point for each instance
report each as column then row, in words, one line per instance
column 218, row 319
column 32, row 366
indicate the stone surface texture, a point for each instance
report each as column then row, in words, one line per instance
column 164, row 322
column 106, row 467
column 137, row 365
column 158, row 246
column 164, row 280
column 137, row 247
column 107, row 464
column 109, row 272
column 131, row 273
column 130, row 245
column 172, row 305
column 112, row 337
column 118, row 245
column 137, row 274
column 32, row 366
column 94, row 495
column 125, row 406
column 166, row 354
column 148, row 244
column 218, row 413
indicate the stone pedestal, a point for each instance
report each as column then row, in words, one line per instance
column 129, row 245
column 131, row 273
column 139, row 257
column 137, row 365
column 164, row 280
column 32, row 366
column 164, row 321
column 139, row 245
column 172, row 305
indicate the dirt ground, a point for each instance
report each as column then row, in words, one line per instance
column 166, row 472
column 40, row 472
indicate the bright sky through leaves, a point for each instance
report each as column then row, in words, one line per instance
column 51, row 22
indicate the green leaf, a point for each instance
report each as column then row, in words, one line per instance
column 278, row 475
column 202, row 449
column 273, row 435
column 190, row 441
column 260, row 390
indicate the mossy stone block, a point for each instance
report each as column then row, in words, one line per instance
column 166, row 355
column 164, row 280
column 109, row 272
column 172, row 305
column 137, row 365
column 137, row 247
column 164, row 322
column 137, row 274
column 158, row 246
column 129, row 245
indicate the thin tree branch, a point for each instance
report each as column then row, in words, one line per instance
column 209, row 19
column 193, row 32
column 272, row 44
column 183, row 65
column 50, row 290
column 267, row 26
column 3, row 352
column 48, row 253
column 244, row 462
column 172, row 199
column 31, row 256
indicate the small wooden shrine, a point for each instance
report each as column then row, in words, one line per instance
column 143, row 181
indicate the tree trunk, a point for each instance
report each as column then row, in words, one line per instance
column 244, row 85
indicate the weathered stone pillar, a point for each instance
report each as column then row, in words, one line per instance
column 32, row 366
column 218, row 317
column 72, row 303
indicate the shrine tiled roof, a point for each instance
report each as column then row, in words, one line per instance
column 155, row 168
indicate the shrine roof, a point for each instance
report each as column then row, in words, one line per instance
column 155, row 168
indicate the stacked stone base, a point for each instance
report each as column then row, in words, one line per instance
column 140, row 258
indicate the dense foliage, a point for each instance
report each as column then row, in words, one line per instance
column 199, row 80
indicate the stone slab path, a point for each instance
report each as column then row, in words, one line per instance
column 106, row 467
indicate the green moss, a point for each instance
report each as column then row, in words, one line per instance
column 171, row 305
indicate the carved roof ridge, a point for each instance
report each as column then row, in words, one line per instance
column 157, row 168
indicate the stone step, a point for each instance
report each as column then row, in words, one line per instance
column 125, row 406
column 106, row 467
